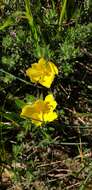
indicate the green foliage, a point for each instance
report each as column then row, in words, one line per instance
column 19, row 103
column 62, row 33
column 17, row 150
column 7, row 41
column 50, row 16
column 68, row 51
column 7, row 78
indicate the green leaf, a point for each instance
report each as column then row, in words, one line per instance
column 6, row 23
column 30, row 98
column 19, row 103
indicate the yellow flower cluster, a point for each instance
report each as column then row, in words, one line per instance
column 41, row 111
column 42, row 72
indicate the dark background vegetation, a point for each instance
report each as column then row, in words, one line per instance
column 58, row 155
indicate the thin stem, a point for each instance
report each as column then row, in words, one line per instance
column 62, row 14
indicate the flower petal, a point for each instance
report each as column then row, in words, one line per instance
column 48, row 117
column 50, row 100
column 46, row 80
column 32, row 74
column 42, row 61
column 39, row 106
column 27, row 111
column 53, row 67
column 37, row 119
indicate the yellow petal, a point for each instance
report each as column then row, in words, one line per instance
column 37, row 119
column 32, row 74
column 41, row 61
column 39, row 106
column 53, row 67
column 46, row 80
column 50, row 100
column 27, row 111
column 51, row 116
column 34, row 66
column 29, row 71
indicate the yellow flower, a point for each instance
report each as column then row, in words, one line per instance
column 41, row 110
column 42, row 72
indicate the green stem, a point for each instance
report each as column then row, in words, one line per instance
column 22, row 80
column 29, row 17
column 62, row 14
